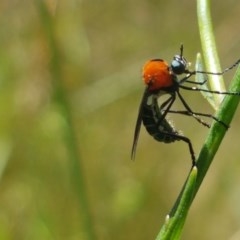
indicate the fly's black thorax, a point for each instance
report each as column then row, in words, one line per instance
column 175, row 85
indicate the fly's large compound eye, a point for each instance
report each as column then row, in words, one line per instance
column 178, row 65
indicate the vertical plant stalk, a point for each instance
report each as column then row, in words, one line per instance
column 209, row 49
column 228, row 106
column 199, row 77
column 173, row 225
column 226, row 111
column 60, row 97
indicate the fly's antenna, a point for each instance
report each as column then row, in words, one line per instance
column 181, row 50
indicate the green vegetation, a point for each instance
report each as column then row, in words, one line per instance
column 70, row 87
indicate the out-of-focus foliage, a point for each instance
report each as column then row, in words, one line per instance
column 101, row 48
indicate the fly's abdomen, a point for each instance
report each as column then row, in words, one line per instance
column 163, row 131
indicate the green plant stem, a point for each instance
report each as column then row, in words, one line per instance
column 173, row 226
column 209, row 48
column 225, row 113
column 209, row 149
column 61, row 99
column 229, row 105
column 217, row 132
column 199, row 77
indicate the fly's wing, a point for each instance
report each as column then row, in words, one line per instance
column 139, row 123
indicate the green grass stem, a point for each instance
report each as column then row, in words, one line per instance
column 62, row 102
column 173, row 227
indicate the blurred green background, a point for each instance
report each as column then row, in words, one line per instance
column 72, row 75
